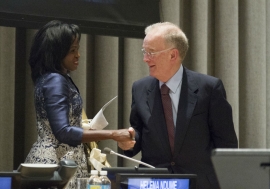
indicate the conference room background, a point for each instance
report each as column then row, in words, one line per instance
column 228, row 39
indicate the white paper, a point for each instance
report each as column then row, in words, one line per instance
column 97, row 159
column 99, row 121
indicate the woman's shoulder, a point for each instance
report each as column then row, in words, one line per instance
column 52, row 77
column 51, row 80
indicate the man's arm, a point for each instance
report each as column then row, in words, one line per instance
column 221, row 120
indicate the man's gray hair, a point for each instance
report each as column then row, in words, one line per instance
column 172, row 34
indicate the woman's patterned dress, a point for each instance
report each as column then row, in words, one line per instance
column 58, row 112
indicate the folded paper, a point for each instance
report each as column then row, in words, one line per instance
column 99, row 122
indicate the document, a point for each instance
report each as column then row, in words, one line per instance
column 99, row 122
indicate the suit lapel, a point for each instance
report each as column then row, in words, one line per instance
column 187, row 103
column 151, row 94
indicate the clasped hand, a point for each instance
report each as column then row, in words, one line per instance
column 126, row 139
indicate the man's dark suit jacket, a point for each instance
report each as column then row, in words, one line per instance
column 204, row 122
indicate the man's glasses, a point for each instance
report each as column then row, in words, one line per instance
column 152, row 54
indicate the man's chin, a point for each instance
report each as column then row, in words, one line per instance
column 152, row 74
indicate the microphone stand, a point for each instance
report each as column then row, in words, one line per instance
column 107, row 150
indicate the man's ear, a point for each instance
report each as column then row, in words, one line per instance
column 174, row 54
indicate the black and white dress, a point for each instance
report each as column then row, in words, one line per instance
column 58, row 112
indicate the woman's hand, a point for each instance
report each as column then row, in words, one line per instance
column 123, row 135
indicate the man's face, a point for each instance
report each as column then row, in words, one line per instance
column 159, row 62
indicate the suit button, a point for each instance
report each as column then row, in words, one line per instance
column 172, row 163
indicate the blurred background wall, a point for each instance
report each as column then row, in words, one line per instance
column 228, row 39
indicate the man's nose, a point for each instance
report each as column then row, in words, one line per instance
column 146, row 58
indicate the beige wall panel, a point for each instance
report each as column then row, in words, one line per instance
column 185, row 24
column 7, row 82
column 199, row 36
column 252, row 75
column 226, row 52
column 90, row 59
column 106, row 85
column 268, row 73
column 169, row 11
column 30, row 113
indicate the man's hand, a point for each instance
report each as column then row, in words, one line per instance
column 128, row 144
column 132, row 133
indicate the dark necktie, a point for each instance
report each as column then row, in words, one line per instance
column 167, row 107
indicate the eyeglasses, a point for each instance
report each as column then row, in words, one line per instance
column 152, row 54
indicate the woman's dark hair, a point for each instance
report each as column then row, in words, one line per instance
column 50, row 46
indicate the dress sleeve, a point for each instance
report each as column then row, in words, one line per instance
column 56, row 97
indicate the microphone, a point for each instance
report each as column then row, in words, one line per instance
column 110, row 151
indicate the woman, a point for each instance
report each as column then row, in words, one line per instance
column 54, row 53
